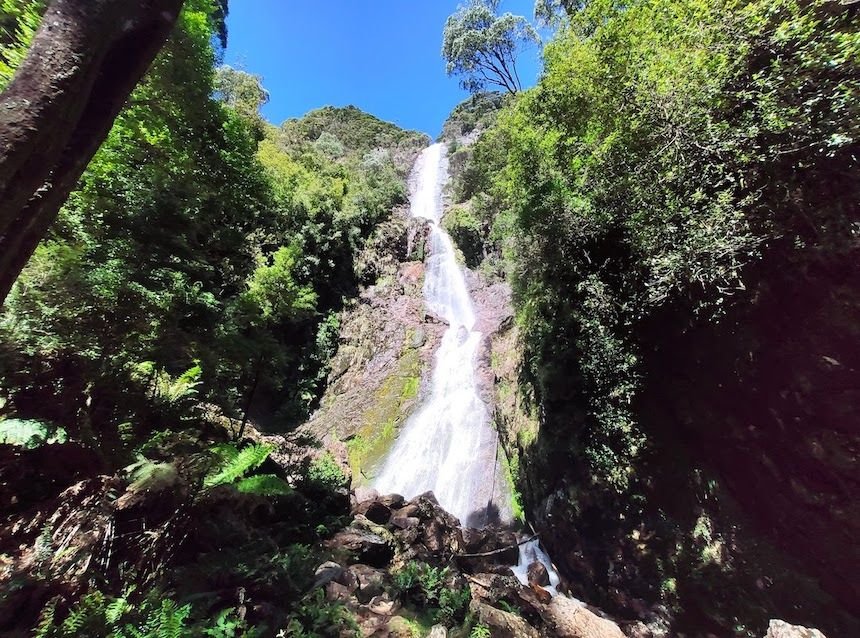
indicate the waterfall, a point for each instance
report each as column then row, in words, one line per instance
column 448, row 445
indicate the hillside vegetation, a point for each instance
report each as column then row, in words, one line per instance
column 674, row 204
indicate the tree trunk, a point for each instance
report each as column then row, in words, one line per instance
column 83, row 63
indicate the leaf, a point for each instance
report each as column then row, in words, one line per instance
column 264, row 485
column 247, row 459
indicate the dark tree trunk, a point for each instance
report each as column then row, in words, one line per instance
column 84, row 62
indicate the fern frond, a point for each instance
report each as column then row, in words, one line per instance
column 116, row 610
column 46, row 620
column 264, row 485
column 247, row 459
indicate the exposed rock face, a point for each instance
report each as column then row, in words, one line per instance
column 386, row 349
column 781, row 629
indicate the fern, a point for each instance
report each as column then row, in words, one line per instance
column 264, row 485
column 116, row 610
column 480, row 631
column 235, row 467
column 147, row 475
column 46, row 620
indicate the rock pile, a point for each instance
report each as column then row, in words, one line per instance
column 388, row 534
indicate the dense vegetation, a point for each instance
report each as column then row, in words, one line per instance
column 675, row 207
column 192, row 282
column 675, row 203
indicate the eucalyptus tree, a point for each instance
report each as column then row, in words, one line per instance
column 481, row 46
column 554, row 13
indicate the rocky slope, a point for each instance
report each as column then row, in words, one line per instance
column 408, row 569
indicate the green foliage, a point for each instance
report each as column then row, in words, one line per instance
column 480, row 631
column 274, row 288
column 30, row 434
column 680, row 169
column 639, row 173
column 97, row 614
column 318, row 618
column 242, row 92
column 465, row 231
column 264, row 485
column 19, row 20
column 429, row 588
column 481, row 46
column 325, row 472
column 232, row 463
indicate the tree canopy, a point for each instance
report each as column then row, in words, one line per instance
column 481, row 46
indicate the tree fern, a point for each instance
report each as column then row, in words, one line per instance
column 232, row 469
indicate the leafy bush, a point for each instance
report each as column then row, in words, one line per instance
column 429, row 588
column 318, row 618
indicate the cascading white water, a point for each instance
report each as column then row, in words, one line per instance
column 448, row 445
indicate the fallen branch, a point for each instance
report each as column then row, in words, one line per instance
column 496, row 551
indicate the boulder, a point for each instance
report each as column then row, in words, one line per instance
column 326, row 573
column 405, row 522
column 502, row 624
column 371, row 582
column 537, row 574
column 335, row 592
column 781, row 629
column 364, row 493
column 568, row 618
column 392, row 501
column 382, row 605
column 407, row 511
column 364, row 546
column 543, row 596
column 374, row 511
column 438, row 631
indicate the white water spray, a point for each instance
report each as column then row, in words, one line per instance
column 448, row 445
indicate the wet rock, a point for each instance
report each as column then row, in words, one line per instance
column 474, row 540
column 537, row 574
column 543, row 596
column 348, row 580
column 502, row 624
column 570, row 619
column 371, row 582
column 488, row 550
column 365, row 546
column 418, row 339
column 781, row 629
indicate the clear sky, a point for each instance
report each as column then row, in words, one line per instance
column 382, row 56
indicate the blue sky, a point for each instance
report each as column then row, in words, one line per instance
column 380, row 55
